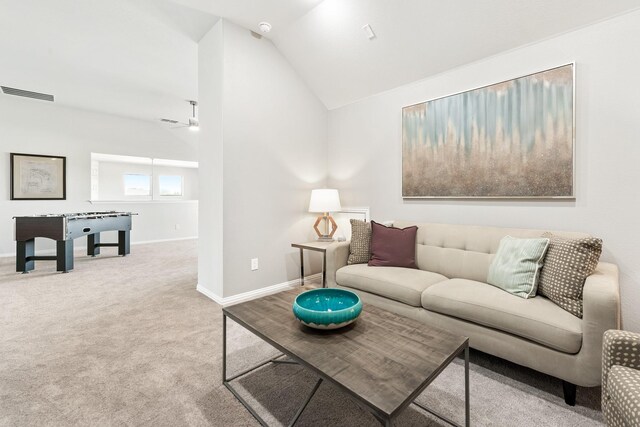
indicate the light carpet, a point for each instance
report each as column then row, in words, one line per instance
column 129, row 341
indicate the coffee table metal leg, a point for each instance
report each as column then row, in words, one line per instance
column 224, row 348
column 227, row 381
column 246, row 371
column 304, row 405
column 467, row 411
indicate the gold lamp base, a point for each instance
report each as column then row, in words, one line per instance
column 327, row 236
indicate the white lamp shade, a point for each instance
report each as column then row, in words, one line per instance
column 324, row 200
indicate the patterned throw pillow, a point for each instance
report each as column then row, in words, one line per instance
column 516, row 266
column 567, row 265
column 360, row 246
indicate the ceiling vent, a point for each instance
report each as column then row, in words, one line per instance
column 26, row 93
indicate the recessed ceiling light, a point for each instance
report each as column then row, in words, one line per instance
column 369, row 32
column 265, row 27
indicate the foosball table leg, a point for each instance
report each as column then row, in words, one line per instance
column 124, row 242
column 25, row 250
column 93, row 244
column 64, row 255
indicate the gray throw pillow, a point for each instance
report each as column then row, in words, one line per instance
column 360, row 246
column 516, row 266
column 566, row 267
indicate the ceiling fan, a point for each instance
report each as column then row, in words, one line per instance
column 193, row 125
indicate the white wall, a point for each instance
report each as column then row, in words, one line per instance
column 38, row 127
column 365, row 147
column 272, row 145
column 210, row 76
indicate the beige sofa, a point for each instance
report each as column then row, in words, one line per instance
column 448, row 290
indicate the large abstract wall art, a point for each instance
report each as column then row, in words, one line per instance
column 513, row 139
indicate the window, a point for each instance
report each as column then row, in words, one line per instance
column 128, row 178
column 170, row 185
column 137, row 184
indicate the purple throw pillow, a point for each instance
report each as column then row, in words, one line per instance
column 393, row 247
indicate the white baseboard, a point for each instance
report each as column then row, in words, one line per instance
column 82, row 248
column 207, row 293
column 247, row 296
column 144, row 242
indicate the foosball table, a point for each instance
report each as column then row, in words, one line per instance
column 64, row 228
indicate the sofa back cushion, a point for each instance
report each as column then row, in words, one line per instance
column 465, row 251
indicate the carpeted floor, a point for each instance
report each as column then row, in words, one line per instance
column 129, row 341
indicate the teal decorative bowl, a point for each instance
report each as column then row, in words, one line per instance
column 327, row 308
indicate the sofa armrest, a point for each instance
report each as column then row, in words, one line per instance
column 601, row 312
column 619, row 348
column 337, row 256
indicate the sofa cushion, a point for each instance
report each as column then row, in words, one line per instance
column 623, row 392
column 566, row 267
column 536, row 319
column 400, row 284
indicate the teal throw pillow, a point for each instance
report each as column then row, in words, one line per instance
column 517, row 264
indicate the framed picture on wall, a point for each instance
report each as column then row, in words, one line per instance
column 38, row 177
column 513, row 139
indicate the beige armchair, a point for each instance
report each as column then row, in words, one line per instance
column 621, row 378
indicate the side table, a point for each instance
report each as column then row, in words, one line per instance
column 317, row 247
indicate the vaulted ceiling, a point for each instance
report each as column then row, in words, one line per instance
column 138, row 58
column 416, row 39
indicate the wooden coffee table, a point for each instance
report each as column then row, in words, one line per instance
column 383, row 361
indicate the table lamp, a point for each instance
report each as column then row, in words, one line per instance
column 323, row 201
